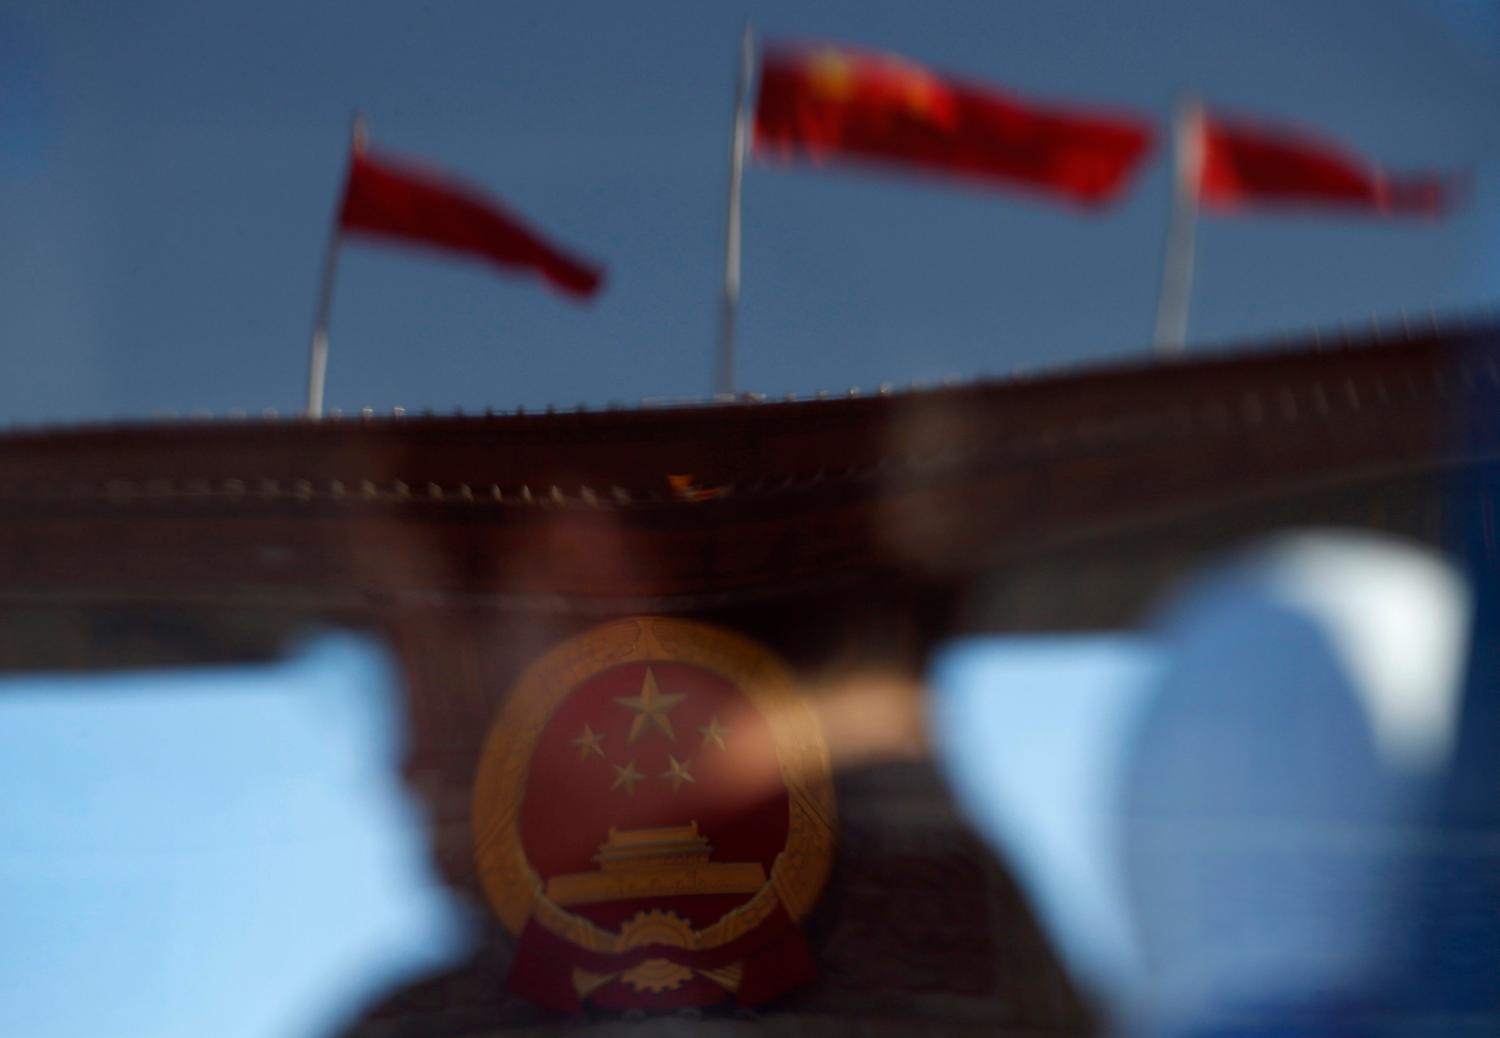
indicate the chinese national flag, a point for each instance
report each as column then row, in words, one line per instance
column 388, row 200
column 834, row 102
column 1246, row 165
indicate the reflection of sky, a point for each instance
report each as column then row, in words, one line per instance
column 1034, row 735
column 208, row 852
column 1227, row 809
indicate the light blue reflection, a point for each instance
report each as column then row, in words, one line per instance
column 1222, row 821
column 1034, row 734
column 222, row 851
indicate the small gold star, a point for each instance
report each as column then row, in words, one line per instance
column 651, row 705
column 627, row 777
column 677, row 772
column 714, row 732
column 588, row 743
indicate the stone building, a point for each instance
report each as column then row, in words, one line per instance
column 845, row 536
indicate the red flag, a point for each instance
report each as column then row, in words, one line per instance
column 831, row 101
column 389, row 200
column 1246, row 164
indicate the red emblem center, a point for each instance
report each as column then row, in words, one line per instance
column 649, row 772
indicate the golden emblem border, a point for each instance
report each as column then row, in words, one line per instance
column 512, row 886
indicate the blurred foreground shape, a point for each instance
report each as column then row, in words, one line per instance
column 213, row 850
column 1228, row 818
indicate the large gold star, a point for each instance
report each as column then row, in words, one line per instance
column 627, row 777
column 652, row 706
column 830, row 74
column 588, row 743
column 677, row 773
column 714, row 732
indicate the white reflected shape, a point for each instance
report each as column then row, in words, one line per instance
column 1277, row 726
column 1399, row 619
column 1032, row 735
column 221, row 851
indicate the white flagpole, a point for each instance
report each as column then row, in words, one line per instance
column 317, row 361
column 1182, row 230
column 724, row 383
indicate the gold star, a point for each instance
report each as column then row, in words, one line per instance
column 677, row 772
column 831, row 74
column 651, row 705
column 588, row 743
column 714, row 732
column 627, row 777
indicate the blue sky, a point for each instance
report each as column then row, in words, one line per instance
column 168, row 171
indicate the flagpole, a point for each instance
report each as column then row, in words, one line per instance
column 1182, row 229
column 724, row 383
column 317, row 361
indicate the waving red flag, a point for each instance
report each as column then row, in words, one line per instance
column 392, row 201
column 1245, row 164
column 835, row 102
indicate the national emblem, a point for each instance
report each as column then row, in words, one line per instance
column 669, row 870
